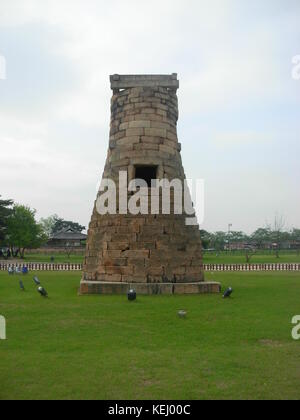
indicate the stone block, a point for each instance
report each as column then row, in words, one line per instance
column 124, row 126
column 128, row 141
column 109, row 277
column 148, row 111
column 171, row 136
column 131, row 132
column 113, row 246
column 134, row 279
column 161, row 112
column 156, row 132
column 159, row 124
column 167, row 149
column 139, row 124
column 151, row 139
column 150, row 117
column 196, row 288
column 140, row 253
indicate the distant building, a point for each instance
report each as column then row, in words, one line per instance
column 292, row 244
column 67, row 238
column 238, row 246
column 288, row 244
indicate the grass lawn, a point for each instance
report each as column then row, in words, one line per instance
column 58, row 258
column 104, row 347
column 260, row 257
column 223, row 257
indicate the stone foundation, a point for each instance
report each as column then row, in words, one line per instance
column 103, row 288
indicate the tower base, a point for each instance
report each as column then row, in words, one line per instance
column 103, row 288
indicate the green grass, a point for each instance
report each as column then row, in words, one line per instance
column 104, row 347
column 58, row 258
column 260, row 257
column 236, row 257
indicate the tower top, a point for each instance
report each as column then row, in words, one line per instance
column 118, row 81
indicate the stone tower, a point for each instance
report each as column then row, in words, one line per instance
column 154, row 253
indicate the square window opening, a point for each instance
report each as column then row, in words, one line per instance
column 147, row 173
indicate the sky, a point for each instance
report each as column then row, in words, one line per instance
column 239, row 105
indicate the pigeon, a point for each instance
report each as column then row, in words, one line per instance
column 36, row 280
column 182, row 313
column 42, row 291
column 25, row 270
column 131, row 295
column 228, row 293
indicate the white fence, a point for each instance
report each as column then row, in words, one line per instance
column 41, row 266
column 4, row 266
column 252, row 267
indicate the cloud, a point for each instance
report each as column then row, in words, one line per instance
column 236, row 93
column 242, row 138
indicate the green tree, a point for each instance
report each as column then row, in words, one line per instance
column 205, row 238
column 237, row 236
column 5, row 213
column 261, row 236
column 219, row 240
column 61, row 224
column 23, row 230
column 295, row 236
column 48, row 224
column 278, row 234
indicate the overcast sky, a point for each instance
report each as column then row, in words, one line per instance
column 239, row 105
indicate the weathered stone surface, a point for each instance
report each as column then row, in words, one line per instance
column 196, row 288
column 158, row 254
column 121, row 288
column 140, row 124
column 134, row 81
column 156, row 132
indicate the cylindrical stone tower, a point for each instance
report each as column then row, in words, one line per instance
column 154, row 253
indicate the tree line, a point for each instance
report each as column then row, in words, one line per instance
column 274, row 238
column 263, row 238
column 19, row 229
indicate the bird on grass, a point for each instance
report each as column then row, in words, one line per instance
column 25, row 271
column 22, row 287
column 36, row 280
column 42, row 291
column 228, row 293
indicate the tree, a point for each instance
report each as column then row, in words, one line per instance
column 278, row 235
column 23, row 230
column 205, row 238
column 5, row 213
column 69, row 249
column 295, row 236
column 61, row 224
column 237, row 236
column 48, row 224
column 54, row 224
column 219, row 240
column 260, row 236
